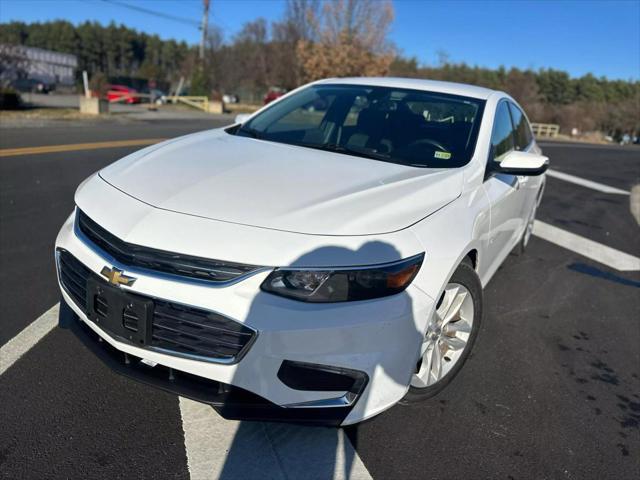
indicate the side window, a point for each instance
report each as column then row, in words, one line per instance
column 522, row 128
column 502, row 136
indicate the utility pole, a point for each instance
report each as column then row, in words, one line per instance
column 203, row 27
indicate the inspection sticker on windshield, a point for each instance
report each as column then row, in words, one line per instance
column 443, row 155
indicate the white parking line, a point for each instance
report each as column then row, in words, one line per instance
column 600, row 187
column 222, row 449
column 11, row 351
column 634, row 203
column 588, row 248
column 217, row 448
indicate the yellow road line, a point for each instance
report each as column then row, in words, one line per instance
column 12, row 152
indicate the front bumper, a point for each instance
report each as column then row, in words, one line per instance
column 379, row 338
column 230, row 402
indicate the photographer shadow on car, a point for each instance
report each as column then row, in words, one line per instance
column 304, row 447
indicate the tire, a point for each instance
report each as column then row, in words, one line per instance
column 452, row 334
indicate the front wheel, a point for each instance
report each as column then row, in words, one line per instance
column 450, row 335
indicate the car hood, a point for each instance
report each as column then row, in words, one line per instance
column 252, row 182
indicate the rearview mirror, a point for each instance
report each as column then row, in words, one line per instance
column 522, row 163
column 242, row 117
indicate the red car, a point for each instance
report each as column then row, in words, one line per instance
column 117, row 92
column 272, row 94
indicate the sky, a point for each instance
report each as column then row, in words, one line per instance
column 578, row 36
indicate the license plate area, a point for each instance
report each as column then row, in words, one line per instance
column 120, row 313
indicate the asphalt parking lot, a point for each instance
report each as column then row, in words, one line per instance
column 552, row 389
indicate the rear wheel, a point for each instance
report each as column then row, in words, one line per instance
column 450, row 334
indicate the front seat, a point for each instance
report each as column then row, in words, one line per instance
column 370, row 128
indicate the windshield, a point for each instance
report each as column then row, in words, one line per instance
column 411, row 127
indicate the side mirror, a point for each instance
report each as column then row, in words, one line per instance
column 242, row 117
column 522, row 163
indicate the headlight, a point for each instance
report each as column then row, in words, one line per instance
column 343, row 284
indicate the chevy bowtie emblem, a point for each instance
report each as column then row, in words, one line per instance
column 117, row 277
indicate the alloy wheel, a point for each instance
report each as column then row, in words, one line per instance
column 446, row 337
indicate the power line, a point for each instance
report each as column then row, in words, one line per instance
column 166, row 16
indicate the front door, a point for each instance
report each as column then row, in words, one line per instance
column 504, row 191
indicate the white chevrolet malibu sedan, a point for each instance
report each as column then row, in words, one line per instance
column 318, row 261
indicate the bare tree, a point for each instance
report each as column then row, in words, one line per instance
column 349, row 37
column 252, row 47
column 299, row 17
column 296, row 26
column 443, row 57
column 365, row 22
column 522, row 86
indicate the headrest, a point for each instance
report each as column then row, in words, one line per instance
column 370, row 119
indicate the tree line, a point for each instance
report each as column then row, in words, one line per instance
column 317, row 39
column 114, row 50
column 587, row 103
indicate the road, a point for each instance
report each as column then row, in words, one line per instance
column 552, row 389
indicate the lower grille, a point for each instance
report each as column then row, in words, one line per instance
column 193, row 331
column 102, row 306
column 175, row 328
column 73, row 276
column 130, row 320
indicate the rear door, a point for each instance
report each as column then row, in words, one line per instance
column 505, row 195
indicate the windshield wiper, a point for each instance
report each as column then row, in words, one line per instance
column 334, row 147
column 327, row 147
column 252, row 132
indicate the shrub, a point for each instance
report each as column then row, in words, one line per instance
column 9, row 99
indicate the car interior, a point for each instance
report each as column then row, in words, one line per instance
column 410, row 127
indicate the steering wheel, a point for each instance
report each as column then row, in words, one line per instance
column 427, row 141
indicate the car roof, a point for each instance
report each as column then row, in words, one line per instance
column 415, row 84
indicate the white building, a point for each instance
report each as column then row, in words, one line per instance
column 45, row 65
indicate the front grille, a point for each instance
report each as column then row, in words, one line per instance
column 176, row 328
column 160, row 260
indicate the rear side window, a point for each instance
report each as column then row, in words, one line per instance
column 521, row 128
column 502, row 136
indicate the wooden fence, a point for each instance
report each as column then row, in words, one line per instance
column 545, row 129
